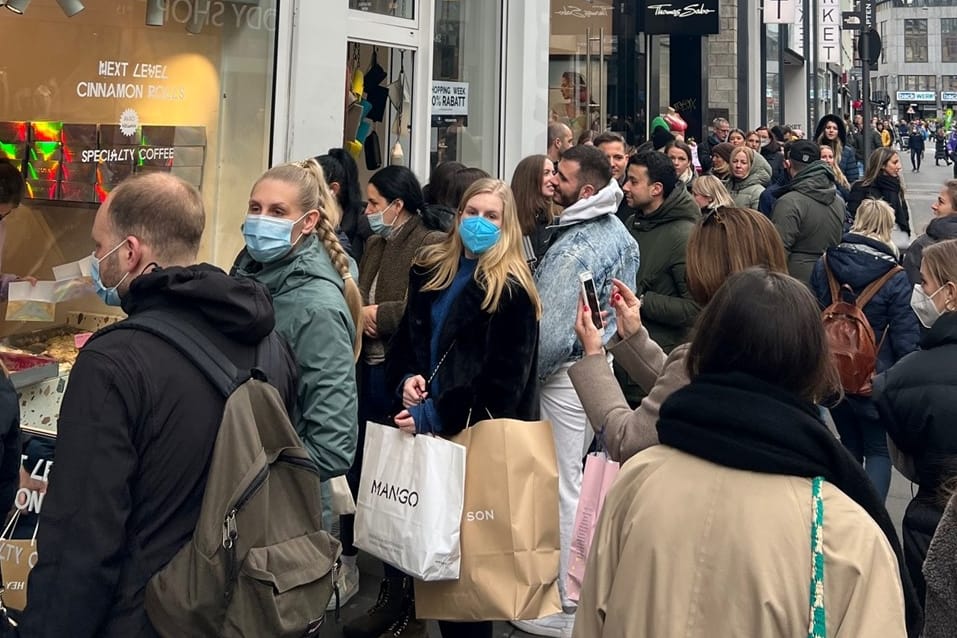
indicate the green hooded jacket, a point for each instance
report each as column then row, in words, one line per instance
column 312, row 315
column 746, row 192
column 809, row 216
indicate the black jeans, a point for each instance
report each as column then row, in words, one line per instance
column 915, row 158
column 482, row 629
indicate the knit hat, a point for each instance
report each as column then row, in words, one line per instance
column 723, row 150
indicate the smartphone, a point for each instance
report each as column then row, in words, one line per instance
column 591, row 297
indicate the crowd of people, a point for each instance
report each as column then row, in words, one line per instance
column 718, row 267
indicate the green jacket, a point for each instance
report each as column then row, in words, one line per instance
column 746, row 192
column 809, row 216
column 667, row 309
column 312, row 315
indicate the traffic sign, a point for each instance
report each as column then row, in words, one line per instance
column 850, row 21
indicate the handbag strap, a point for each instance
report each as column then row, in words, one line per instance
column 439, row 364
column 817, row 622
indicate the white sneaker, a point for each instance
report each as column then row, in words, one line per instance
column 556, row 625
column 347, row 581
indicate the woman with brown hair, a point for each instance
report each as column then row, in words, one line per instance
column 533, row 190
column 726, row 241
column 754, row 518
column 917, row 401
column 882, row 180
column 942, row 226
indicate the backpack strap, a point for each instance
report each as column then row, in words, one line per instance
column 832, row 282
column 872, row 288
column 192, row 344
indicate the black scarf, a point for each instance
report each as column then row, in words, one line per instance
column 738, row 421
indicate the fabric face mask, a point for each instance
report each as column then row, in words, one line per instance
column 110, row 296
column 269, row 238
column 377, row 222
column 478, row 234
column 765, row 142
column 924, row 307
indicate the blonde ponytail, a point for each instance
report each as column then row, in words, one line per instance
column 314, row 194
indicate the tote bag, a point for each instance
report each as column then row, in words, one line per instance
column 410, row 502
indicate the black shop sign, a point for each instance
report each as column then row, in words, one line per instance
column 681, row 17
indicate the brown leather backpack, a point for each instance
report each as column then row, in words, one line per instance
column 849, row 334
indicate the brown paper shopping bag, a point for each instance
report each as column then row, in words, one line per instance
column 17, row 558
column 509, row 534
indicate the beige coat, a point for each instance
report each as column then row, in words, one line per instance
column 628, row 431
column 686, row 548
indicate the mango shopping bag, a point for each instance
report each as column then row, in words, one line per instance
column 410, row 502
column 510, row 538
column 600, row 473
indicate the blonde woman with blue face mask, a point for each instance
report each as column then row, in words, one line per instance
column 292, row 249
column 917, row 400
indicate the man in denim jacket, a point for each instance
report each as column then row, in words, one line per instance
column 589, row 237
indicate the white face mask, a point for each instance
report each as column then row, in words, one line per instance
column 924, row 306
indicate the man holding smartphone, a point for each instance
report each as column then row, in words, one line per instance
column 591, row 238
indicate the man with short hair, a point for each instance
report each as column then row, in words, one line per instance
column 721, row 129
column 809, row 214
column 139, row 421
column 559, row 140
column 613, row 146
column 589, row 238
column 665, row 215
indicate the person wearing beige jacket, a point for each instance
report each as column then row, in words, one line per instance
column 749, row 518
column 726, row 241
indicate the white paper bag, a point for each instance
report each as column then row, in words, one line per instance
column 410, row 502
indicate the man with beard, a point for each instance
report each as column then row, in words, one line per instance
column 665, row 215
column 589, row 238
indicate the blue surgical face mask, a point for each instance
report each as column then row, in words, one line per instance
column 269, row 238
column 110, row 296
column 377, row 222
column 478, row 234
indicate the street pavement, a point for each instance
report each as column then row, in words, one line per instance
column 921, row 191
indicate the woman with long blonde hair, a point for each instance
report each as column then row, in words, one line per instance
column 710, row 194
column 292, row 248
column 467, row 345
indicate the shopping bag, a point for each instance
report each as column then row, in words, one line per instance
column 510, row 537
column 600, row 472
column 17, row 558
column 410, row 502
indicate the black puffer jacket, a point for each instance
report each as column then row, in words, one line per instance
column 135, row 435
column 917, row 401
column 886, row 188
column 938, row 229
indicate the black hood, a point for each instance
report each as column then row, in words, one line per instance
column 841, row 129
column 941, row 228
column 241, row 309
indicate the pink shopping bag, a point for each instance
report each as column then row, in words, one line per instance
column 600, row 472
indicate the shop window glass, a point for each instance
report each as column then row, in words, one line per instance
column 395, row 8
column 915, row 40
column 772, row 78
column 111, row 96
column 948, row 40
column 948, row 83
column 466, row 80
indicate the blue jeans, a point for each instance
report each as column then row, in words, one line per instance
column 864, row 436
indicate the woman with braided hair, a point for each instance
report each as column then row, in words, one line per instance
column 292, row 249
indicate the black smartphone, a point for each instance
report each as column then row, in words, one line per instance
column 591, row 298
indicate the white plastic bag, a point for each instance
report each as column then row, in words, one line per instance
column 409, row 508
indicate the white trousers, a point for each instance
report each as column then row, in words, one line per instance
column 573, row 435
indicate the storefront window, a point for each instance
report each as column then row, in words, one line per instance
column 111, row 96
column 395, row 8
column 915, row 40
column 466, row 79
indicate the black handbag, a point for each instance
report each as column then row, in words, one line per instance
column 373, row 152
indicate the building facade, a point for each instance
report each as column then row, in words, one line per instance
column 917, row 73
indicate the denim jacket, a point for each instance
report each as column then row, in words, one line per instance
column 589, row 237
